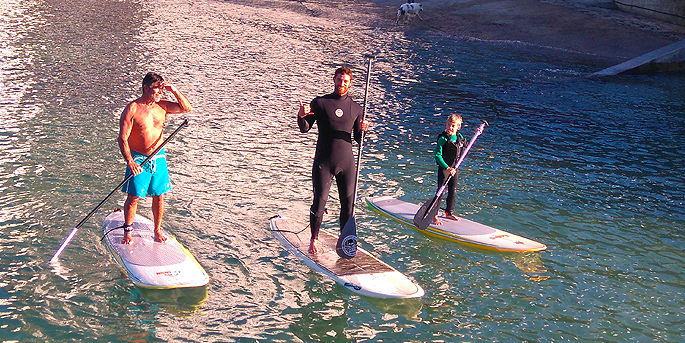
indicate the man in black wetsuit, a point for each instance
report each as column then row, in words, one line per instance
column 337, row 116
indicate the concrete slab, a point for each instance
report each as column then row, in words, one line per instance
column 670, row 58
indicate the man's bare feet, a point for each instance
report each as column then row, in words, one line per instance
column 452, row 216
column 314, row 246
column 128, row 238
column 159, row 237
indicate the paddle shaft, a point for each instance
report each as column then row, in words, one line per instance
column 456, row 165
column 346, row 247
column 361, row 141
column 75, row 229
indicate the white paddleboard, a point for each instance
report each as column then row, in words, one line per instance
column 463, row 231
column 150, row 264
column 363, row 274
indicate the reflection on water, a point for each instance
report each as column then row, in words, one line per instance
column 181, row 302
column 61, row 271
column 408, row 308
column 531, row 264
column 590, row 168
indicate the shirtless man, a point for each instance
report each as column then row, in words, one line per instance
column 140, row 132
column 338, row 117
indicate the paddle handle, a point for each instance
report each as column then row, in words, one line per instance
column 478, row 132
column 75, row 229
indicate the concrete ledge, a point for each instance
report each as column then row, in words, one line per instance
column 672, row 11
column 670, row 58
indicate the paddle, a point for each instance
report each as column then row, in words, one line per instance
column 426, row 214
column 75, row 229
column 347, row 241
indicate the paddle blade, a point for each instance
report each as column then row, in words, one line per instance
column 347, row 242
column 425, row 215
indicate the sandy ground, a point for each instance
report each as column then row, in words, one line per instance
column 595, row 27
column 591, row 27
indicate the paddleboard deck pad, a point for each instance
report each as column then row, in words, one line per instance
column 463, row 231
column 150, row 264
column 363, row 274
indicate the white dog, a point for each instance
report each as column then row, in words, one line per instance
column 409, row 9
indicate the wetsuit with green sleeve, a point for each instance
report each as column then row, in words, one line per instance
column 448, row 150
column 337, row 117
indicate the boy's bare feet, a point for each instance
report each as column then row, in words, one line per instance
column 452, row 216
column 437, row 220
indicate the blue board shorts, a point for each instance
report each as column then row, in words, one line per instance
column 152, row 181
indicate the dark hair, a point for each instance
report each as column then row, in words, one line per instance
column 344, row 71
column 151, row 78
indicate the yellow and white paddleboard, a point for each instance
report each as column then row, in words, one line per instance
column 150, row 264
column 464, row 231
column 363, row 274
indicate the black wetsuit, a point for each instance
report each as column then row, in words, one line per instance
column 449, row 151
column 337, row 118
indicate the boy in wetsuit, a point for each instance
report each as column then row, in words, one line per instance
column 337, row 116
column 448, row 149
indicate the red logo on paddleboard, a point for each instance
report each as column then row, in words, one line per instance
column 169, row 273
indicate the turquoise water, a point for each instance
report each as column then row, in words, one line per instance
column 593, row 169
